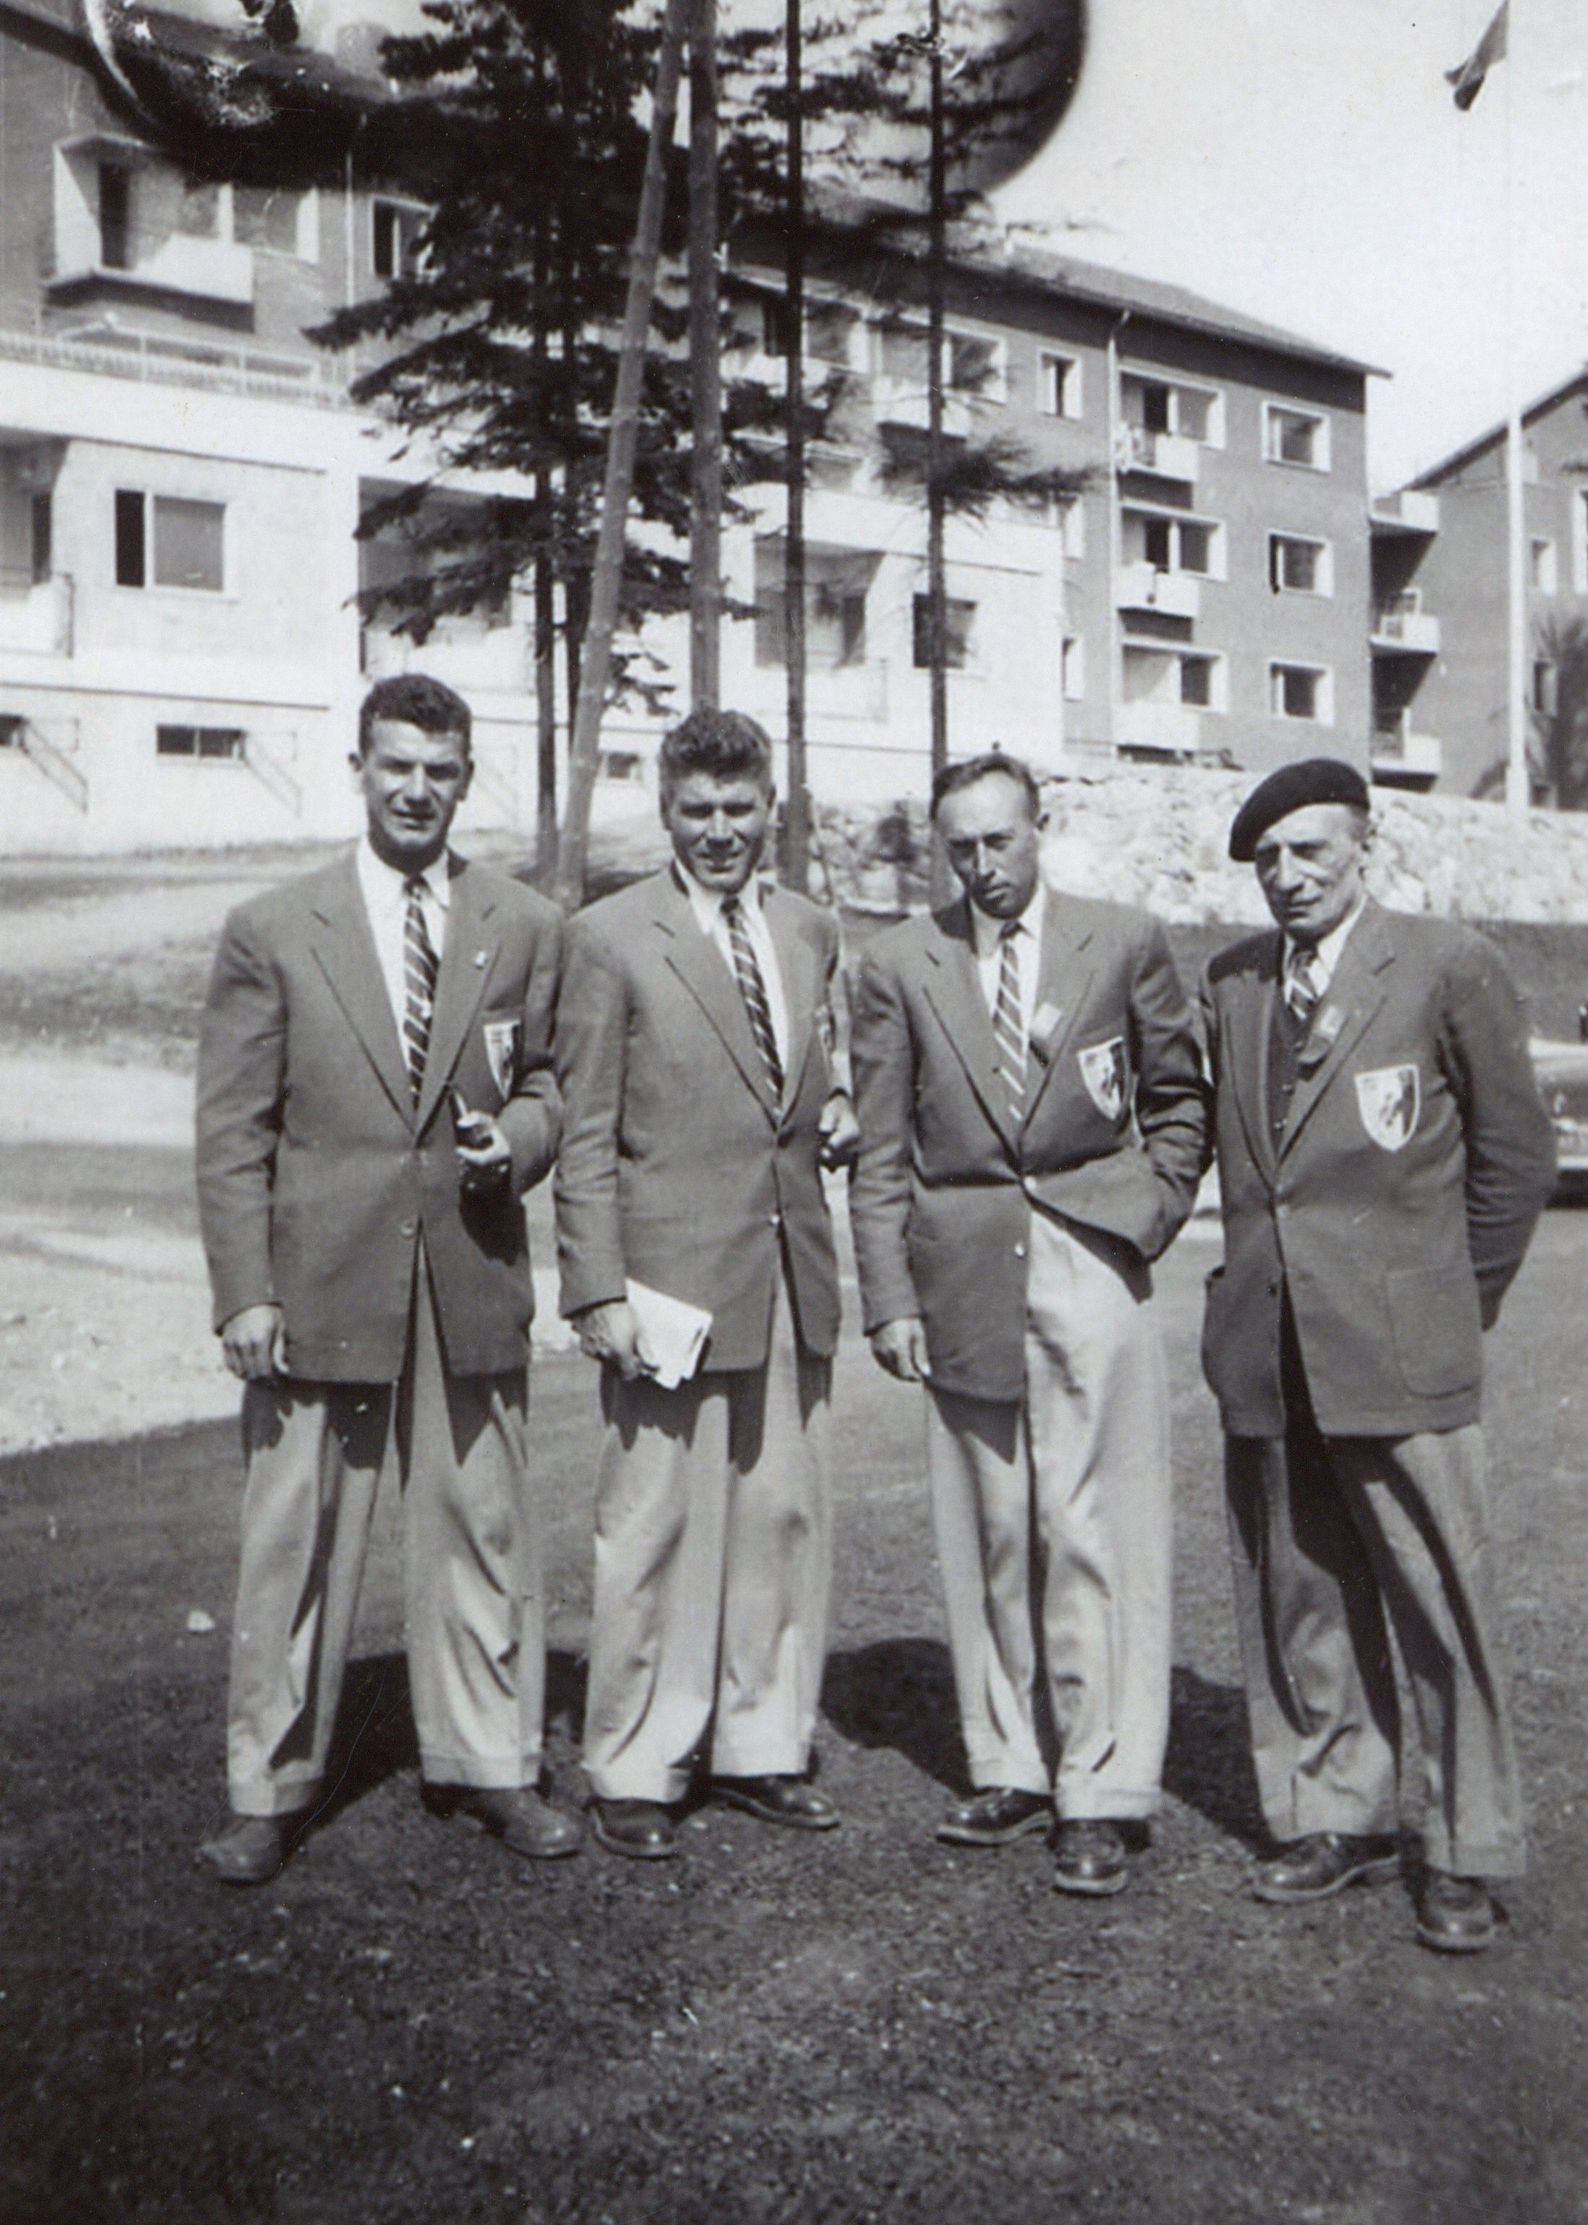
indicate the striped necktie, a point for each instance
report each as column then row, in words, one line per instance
column 1303, row 988
column 420, row 966
column 1008, row 1025
column 753, row 989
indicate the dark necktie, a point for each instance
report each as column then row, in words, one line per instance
column 420, row 966
column 1303, row 987
column 753, row 989
column 1007, row 1026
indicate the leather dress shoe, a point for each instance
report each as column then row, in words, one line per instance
column 1316, row 1868
column 779, row 1800
column 996, row 1817
column 1089, row 1857
column 526, row 1824
column 250, row 1850
column 1455, row 1915
column 643, row 1830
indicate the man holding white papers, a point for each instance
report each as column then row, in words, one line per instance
column 695, row 1050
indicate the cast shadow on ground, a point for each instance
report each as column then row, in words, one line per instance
column 899, row 1693
column 1209, row 1762
column 374, row 1735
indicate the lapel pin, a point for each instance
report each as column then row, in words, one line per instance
column 479, row 957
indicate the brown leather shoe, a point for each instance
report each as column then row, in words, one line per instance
column 1318, row 1867
column 526, row 1824
column 1456, row 1915
column 642, row 1830
column 251, row 1850
column 779, row 1800
column 996, row 1817
column 1089, row 1857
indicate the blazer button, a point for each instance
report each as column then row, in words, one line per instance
column 1020, row 1251
column 407, row 1229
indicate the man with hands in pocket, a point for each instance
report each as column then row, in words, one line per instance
column 375, row 1094
column 1383, row 1157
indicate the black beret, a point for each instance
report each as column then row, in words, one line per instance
column 1309, row 780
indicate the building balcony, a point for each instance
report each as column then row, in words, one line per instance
column 1402, row 758
column 1159, row 729
column 204, row 269
column 1410, row 511
column 1143, row 586
column 904, row 402
column 35, row 615
column 1162, row 455
column 1402, row 627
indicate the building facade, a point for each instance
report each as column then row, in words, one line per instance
column 182, row 477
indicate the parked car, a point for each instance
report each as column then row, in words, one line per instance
column 1562, row 1073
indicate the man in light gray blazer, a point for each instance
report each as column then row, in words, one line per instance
column 695, row 1042
column 374, row 1096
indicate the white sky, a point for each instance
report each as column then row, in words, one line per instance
column 1303, row 160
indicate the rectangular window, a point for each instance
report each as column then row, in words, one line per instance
column 198, row 209
column 1546, row 688
column 959, row 619
column 836, row 583
column 41, row 533
column 267, row 216
column 395, row 230
column 217, row 743
column 115, row 216
column 1299, row 691
column 170, row 541
column 1295, row 436
column 972, row 362
column 1074, row 668
column 1196, row 682
column 1541, row 566
column 828, row 325
column 1297, row 566
column 1059, row 385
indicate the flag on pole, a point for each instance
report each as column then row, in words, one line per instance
column 1468, row 79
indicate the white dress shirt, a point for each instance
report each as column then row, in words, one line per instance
column 1326, row 951
column 1026, row 942
column 706, row 904
column 386, row 905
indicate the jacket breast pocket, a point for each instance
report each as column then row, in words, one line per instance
column 1434, row 1322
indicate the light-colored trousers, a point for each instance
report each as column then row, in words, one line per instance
column 1333, row 1539
column 472, row 1554
column 1053, row 1519
column 713, row 1561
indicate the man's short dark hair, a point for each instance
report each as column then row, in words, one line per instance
column 414, row 699
column 724, row 744
column 966, row 771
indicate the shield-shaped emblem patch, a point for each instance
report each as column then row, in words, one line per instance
column 1106, row 1075
column 1389, row 1099
column 501, row 1050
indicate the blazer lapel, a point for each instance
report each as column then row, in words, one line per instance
column 1354, row 995
column 1251, row 1032
column 796, row 963
column 953, row 988
column 344, row 948
column 699, row 965
column 468, row 959
column 1064, row 974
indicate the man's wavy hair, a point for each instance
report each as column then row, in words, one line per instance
column 414, row 699
column 724, row 744
column 966, row 771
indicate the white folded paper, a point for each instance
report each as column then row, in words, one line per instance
column 673, row 1333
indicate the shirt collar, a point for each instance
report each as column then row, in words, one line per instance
column 1328, row 948
column 383, row 884
column 987, row 933
column 707, row 903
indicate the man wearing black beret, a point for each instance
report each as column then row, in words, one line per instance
column 1383, row 1157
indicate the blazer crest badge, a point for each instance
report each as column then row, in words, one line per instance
column 501, row 1052
column 1389, row 1099
column 1106, row 1075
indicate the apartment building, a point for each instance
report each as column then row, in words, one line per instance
column 1440, row 634
column 182, row 476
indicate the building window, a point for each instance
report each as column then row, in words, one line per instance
column 1166, row 406
column 1059, row 385
column 1196, row 682
column 169, row 541
column 828, row 325
column 1541, row 566
column 273, row 217
column 395, row 229
column 1074, row 654
column 836, row 582
column 218, row 744
column 1295, row 436
column 1546, row 688
column 1299, row 691
column 41, row 528
column 1299, row 567
column 973, row 363
column 1072, row 524
column 1173, row 544
column 115, row 216
column 958, row 625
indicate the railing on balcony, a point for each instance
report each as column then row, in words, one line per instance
column 1397, row 745
column 219, row 369
column 1403, row 622
column 1166, row 455
column 35, row 614
column 1143, row 586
